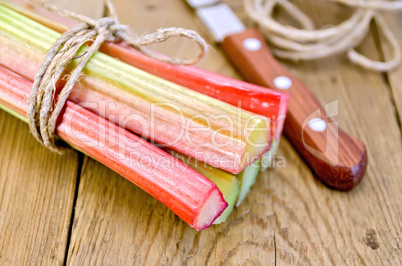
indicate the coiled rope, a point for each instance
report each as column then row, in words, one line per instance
column 309, row 43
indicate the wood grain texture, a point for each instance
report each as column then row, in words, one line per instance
column 340, row 226
column 36, row 199
column 118, row 223
column 289, row 217
column 338, row 159
column 393, row 78
column 37, row 189
column 90, row 8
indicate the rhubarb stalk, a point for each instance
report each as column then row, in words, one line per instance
column 224, row 88
column 256, row 99
column 184, row 120
column 194, row 198
column 267, row 158
column 251, row 97
column 226, row 182
column 247, row 177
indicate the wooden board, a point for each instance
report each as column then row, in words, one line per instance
column 116, row 222
column 393, row 78
column 37, row 190
column 37, row 193
column 289, row 217
column 90, row 8
column 361, row 227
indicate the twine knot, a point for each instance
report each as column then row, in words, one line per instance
column 309, row 43
column 111, row 28
column 42, row 109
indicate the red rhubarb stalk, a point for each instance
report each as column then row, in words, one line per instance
column 184, row 120
column 250, row 97
column 187, row 193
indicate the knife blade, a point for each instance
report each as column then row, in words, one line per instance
column 338, row 159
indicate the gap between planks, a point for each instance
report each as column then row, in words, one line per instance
column 81, row 158
column 379, row 43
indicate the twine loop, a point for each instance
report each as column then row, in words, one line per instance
column 112, row 27
column 309, row 43
column 43, row 109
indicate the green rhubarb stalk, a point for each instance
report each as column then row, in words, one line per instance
column 190, row 195
column 253, row 98
column 184, row 120
column 226, row 182
column 247, row 179
column 266, row 159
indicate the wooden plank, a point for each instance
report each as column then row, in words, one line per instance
column 320, row 226
column 90, row 8
column 37, row 188
column 117, row 223
column 148, row 16
column 394, row 78
column 36, row 197
column 289, row 217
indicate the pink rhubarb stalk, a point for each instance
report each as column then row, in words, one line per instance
column 187, row 193
column 253, row 98
column 186, row 121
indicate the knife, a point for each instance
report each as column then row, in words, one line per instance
column 337, row 158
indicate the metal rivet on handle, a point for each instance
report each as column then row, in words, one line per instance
column 317, row 124
column 252, row 44
column 283, row 82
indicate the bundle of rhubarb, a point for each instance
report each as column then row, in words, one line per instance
column 194, row 140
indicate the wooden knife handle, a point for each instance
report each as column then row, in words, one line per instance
column 337, row 158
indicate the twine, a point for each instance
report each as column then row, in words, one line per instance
column 309, row 43
column 42, row 111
